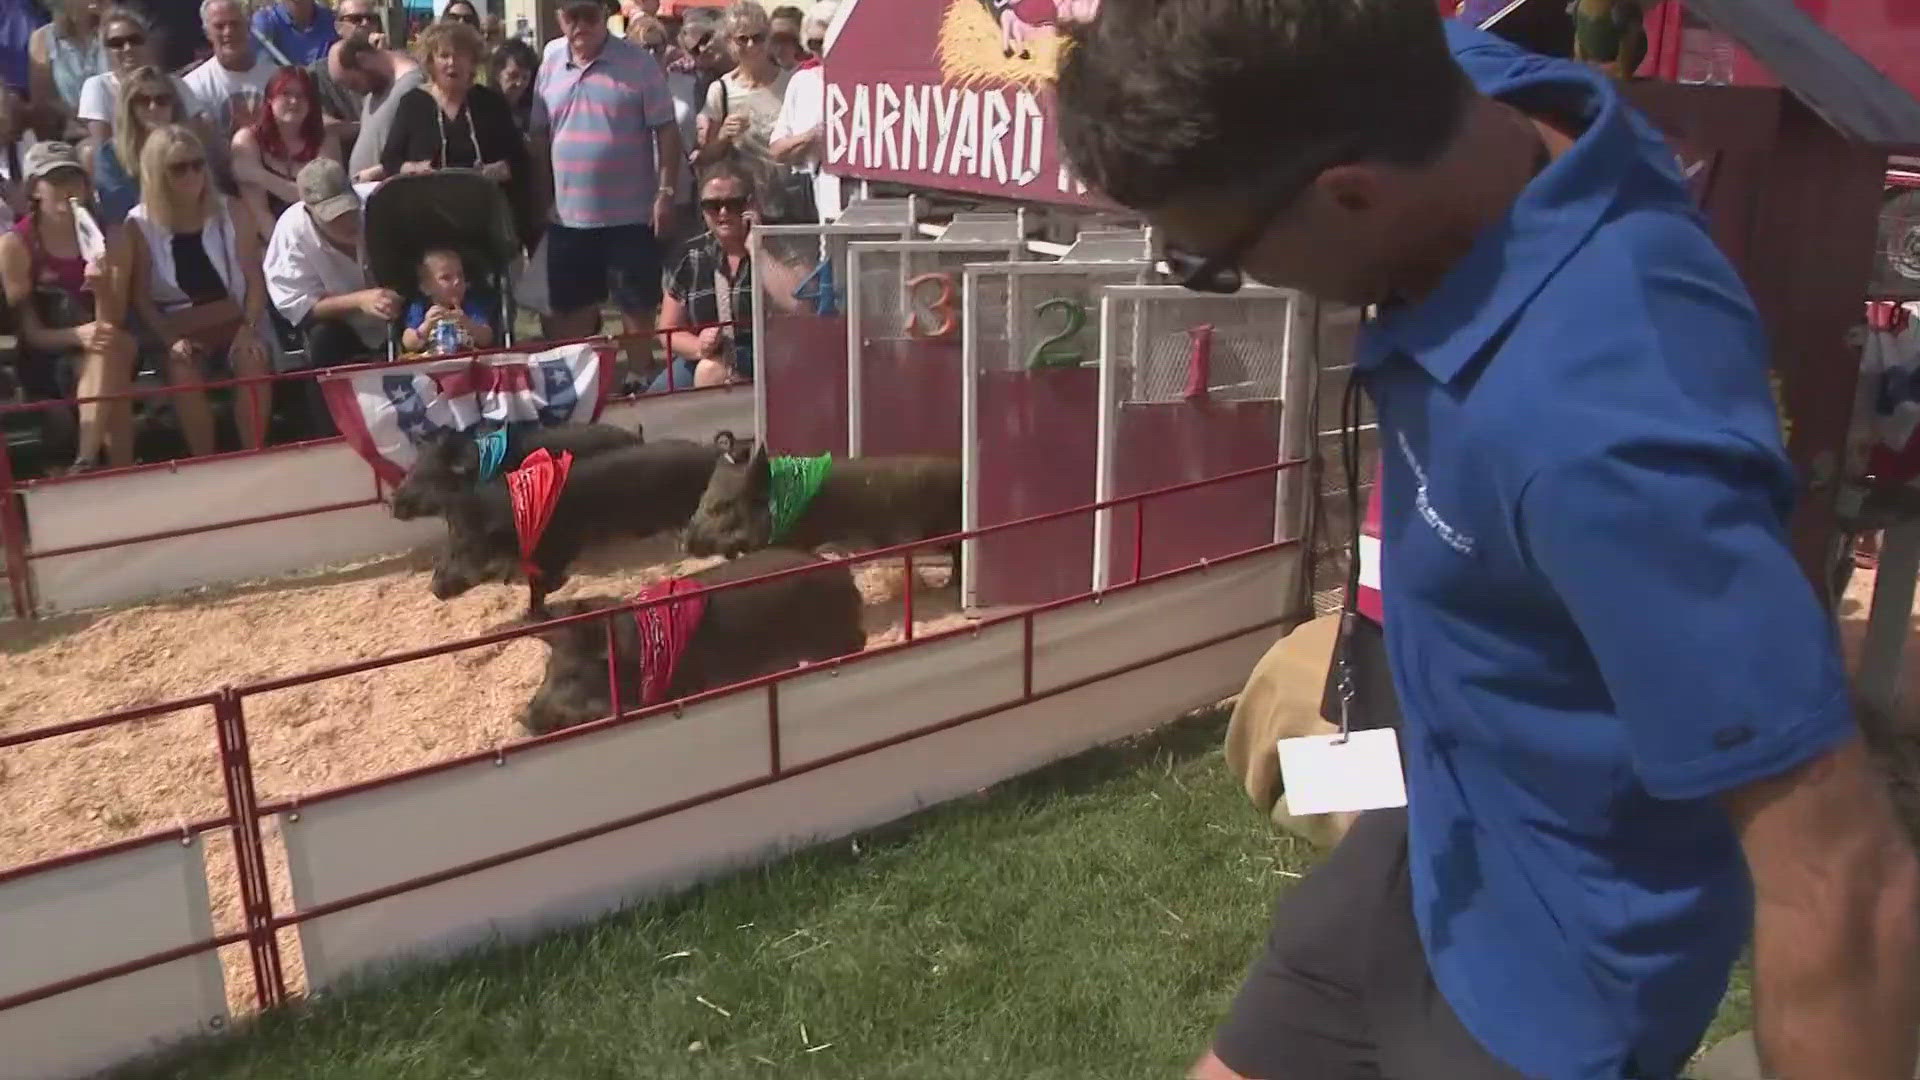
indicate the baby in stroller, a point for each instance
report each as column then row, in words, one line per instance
column 445, row 318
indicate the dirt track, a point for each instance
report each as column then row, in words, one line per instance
column 91, row 788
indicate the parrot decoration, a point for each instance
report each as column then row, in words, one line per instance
column 1610, row 34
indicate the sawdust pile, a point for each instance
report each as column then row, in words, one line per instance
column 86, row 789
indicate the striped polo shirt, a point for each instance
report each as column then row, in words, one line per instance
column 600, row 118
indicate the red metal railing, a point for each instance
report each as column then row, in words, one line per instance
column 15, row 537
column 244, row 810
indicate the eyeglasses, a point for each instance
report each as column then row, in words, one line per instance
column 744, row 40
column 357, row 20
column 151, row 101
column 733, row 203
column 127, row 41
column 188, row 167
column 1220, row 272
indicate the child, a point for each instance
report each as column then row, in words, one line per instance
column 444, row 319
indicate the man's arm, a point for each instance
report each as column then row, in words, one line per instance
column 1668, row 547
column 1836, row 937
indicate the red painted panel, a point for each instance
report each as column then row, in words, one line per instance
column 1157, row 446
column 910, row 397
column 1038, row 452
column 803, row 373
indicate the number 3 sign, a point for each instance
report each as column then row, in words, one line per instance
column 940, row 307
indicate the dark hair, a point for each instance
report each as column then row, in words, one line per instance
column 787, row 11
column 355, row 49
column 1158, row 98
column 725, row 169
column 512, row 51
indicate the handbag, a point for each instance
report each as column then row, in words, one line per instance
column 786, row 193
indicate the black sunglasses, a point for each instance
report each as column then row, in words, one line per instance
column 1220, row 272
column 187, row 167
column 470, row 20
column 358, row 20
column 128, row 41
column 735, row 203
column 744, row 40
column 141, row 101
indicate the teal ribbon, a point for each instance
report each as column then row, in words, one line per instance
column 493, row 451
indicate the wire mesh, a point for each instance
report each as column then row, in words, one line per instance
column 1896, row 269
column 1246, row 358
column 1332, row 519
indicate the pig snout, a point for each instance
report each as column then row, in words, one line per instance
column 449, row 582
column 408, row 504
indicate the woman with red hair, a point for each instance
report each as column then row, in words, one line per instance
column 268, row 153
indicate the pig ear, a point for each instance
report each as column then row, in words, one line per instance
column 759, row 471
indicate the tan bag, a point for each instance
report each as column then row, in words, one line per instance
column 1282, row 701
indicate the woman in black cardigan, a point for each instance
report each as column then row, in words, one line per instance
column 452, row 123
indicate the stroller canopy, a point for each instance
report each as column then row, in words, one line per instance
column 451, row 208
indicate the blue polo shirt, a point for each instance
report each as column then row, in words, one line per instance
column 1593, row 617
column 302, row 46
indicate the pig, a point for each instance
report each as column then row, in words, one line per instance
column 634, row 491
column 744, row 632
column 449, row 460
column 871, row 501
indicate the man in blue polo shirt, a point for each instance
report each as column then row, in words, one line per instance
column 1626, row 735
column 300, row 30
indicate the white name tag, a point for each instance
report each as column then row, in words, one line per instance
column 1323, row 775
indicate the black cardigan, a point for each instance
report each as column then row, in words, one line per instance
column 416, row 135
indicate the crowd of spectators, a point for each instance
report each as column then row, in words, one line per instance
column 222, row 150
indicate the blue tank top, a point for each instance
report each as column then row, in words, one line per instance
column 114, row 191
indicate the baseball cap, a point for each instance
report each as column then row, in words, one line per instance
column 324, row 188
column 47, row 158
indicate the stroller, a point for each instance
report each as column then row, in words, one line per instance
column 452, row 208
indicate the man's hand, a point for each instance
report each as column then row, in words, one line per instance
column 415, row 168
column 369, row 174
column 382, row 304
column 497, row 171
column 1836, row 921
column 662, row 212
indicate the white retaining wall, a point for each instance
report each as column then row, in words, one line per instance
column 202, row 493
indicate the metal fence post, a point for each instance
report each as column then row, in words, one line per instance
column 250, row 851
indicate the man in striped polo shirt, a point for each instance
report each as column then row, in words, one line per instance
column 602, row 108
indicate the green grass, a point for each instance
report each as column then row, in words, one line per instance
column 1091, row 920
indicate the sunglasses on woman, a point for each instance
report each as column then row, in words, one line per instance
column 152, row 101
column 731, row 204
column 188, row 167
column 470, row 20
column 744, row 40
column 126, row 41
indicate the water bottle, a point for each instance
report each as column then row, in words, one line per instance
column 1722, row 61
